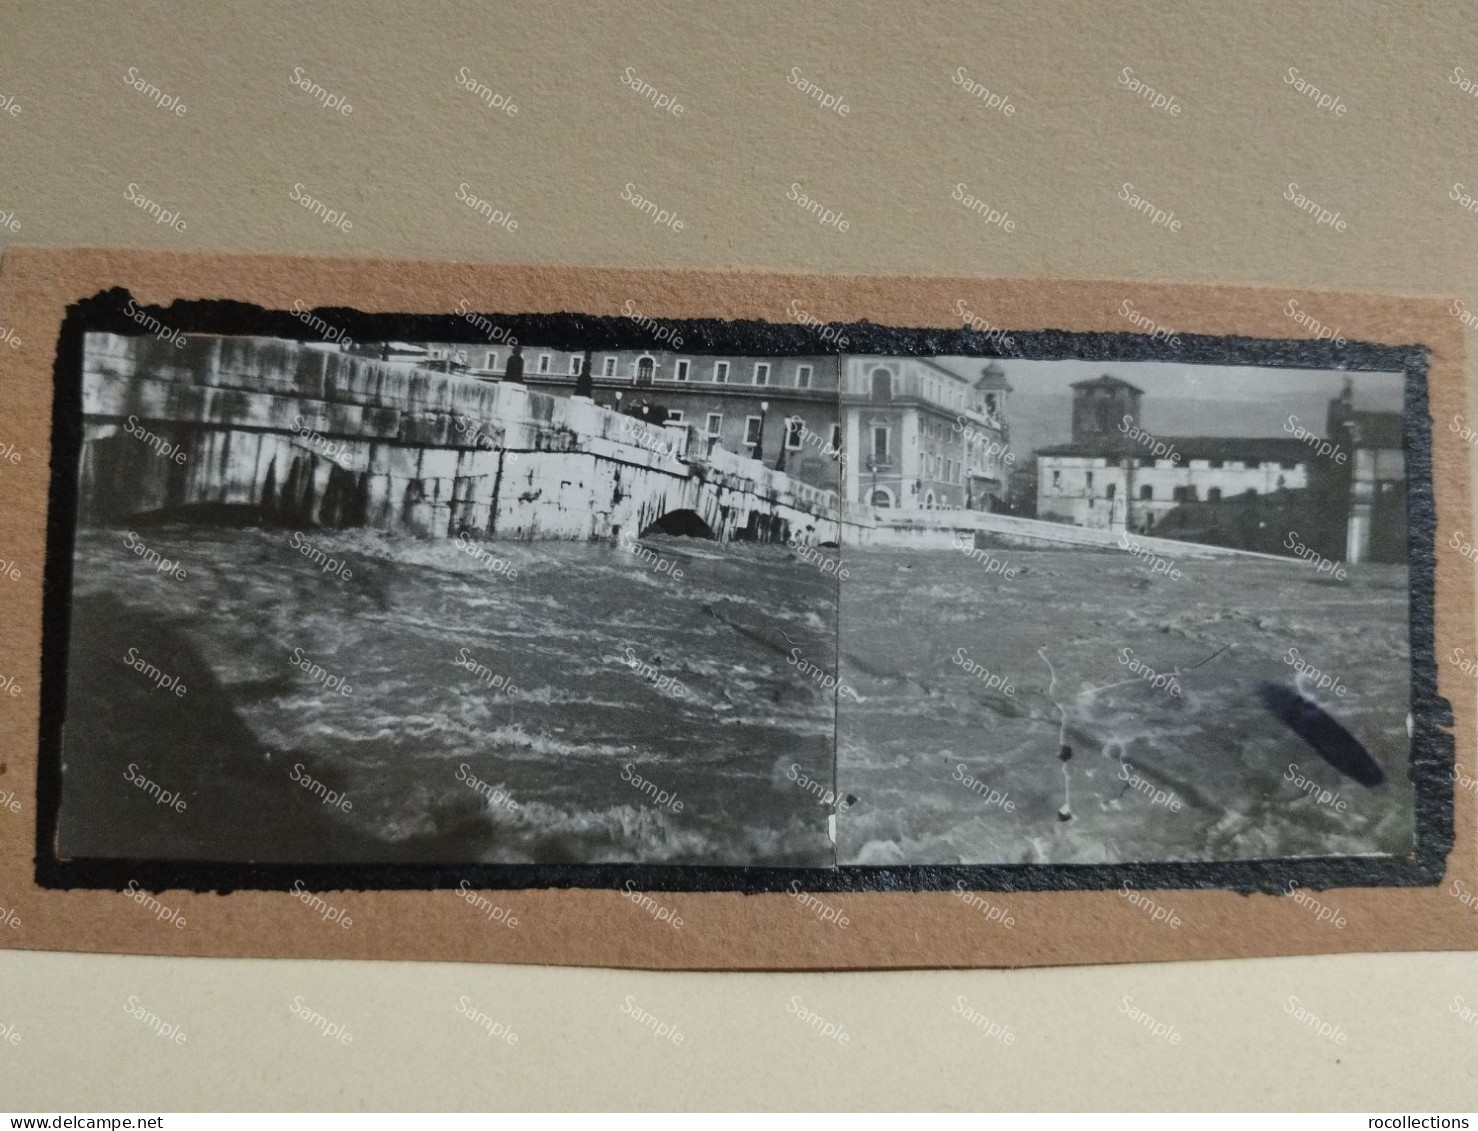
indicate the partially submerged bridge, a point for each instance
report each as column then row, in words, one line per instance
column 304, row 435
column 296, row 434
column 944, row 530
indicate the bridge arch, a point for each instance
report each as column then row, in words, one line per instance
column 350, row 461
column 684, row 523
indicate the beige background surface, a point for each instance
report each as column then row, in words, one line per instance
column 725, row 166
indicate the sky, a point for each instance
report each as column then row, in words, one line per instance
column 1180, row 399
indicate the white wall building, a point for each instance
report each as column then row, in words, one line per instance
column 1116, row 492
column 1114, row 475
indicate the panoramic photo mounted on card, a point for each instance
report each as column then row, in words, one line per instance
column 507, row 600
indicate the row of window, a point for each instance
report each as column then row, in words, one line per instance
column 951, row 471
column 644, row 369
column 794, row 434
column 886, row 385
column 716, row 371
column 1219, row 465
column 938, row 467
column 1185, row 494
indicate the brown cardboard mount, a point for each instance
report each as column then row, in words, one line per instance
column 720, row 930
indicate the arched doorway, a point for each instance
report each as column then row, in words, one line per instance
column 881, row 497
column 644, row 369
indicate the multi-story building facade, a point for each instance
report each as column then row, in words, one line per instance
column 782, row 410
column 1114, row 475
column 920, row 435
column 881, row 431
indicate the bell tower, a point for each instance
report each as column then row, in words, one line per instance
column 1100, row 407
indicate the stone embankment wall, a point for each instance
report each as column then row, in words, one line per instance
column 305, row 435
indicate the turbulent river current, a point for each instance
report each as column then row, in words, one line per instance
column 350, row 696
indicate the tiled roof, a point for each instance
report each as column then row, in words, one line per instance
column 1244, row 448
column 1106, row 382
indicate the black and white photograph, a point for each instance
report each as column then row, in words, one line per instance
column 1175, row 630
column 497, row 602
column 419, row 602
column 646, row 556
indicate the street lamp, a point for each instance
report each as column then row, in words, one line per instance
column 790, row 422
column 618, row 400
column 759, row 440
